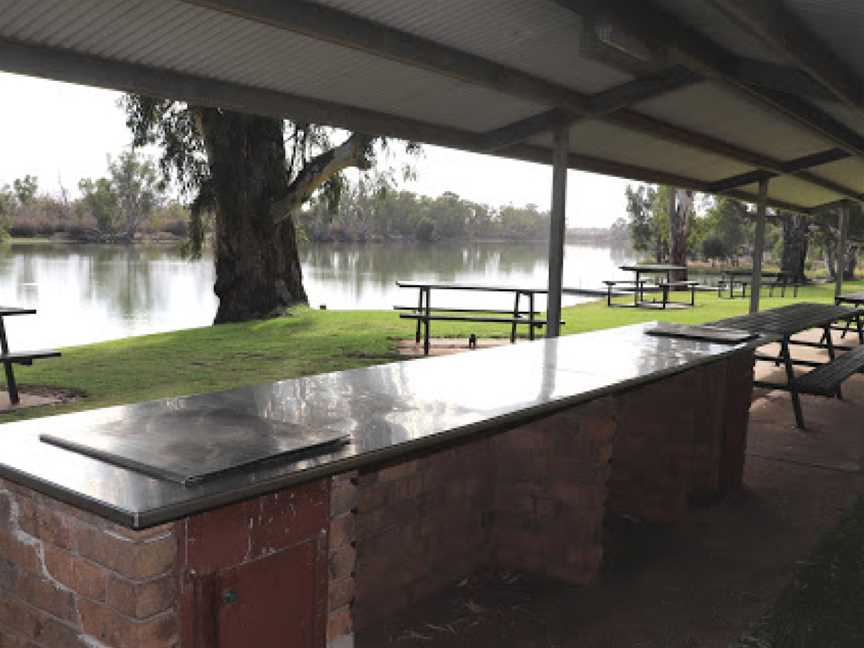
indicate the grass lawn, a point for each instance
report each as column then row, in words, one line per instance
column 307, row 342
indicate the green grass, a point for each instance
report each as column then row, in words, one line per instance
column 824, row 604
column 306, row 342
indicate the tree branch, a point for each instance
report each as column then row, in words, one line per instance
column 353, row 152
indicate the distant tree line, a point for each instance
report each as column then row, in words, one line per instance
column 367, row 211
column 664, row 222
column 127, row 203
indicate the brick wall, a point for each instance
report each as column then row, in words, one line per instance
column 71, row 579
column 318, row 560
column 681, row 439
column 529, row 498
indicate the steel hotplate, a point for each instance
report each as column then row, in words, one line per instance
column 189, row 445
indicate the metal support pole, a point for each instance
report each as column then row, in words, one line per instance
column 556, row 230
column 758, row 247
column 841, row 250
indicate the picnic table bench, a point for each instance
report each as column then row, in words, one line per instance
column 853, row 299
column 639, row 286
column 780, row 324
column 743, row 278
column 9, row 358
column 424, row 312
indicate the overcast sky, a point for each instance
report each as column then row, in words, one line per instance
column 62, row 132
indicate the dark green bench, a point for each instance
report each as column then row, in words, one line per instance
column 826, row 379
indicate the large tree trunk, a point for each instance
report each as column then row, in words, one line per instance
column 258, row 271
column 795, row 243
column 680, row 207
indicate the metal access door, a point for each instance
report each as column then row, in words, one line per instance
column 268, row 603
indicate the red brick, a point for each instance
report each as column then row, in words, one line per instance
column 340, row 592
column 78, row 574
column 135, row 560
column 342, row 562
column 142, row 600
column 8, row 640
column 339, row 623
column 140, row 535
column 53, row 526
column 118, row 631
column 398, row 471
column 17, row 617
column 23, row 553
column 45, row 595
column 341, row 531
column 54, row 634
column 343, row 496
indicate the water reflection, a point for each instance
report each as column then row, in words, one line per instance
column 88, row 293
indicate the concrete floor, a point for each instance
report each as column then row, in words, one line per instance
column 697, row 584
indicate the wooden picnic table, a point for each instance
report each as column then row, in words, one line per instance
column 780, row 324
column 423, row 313
column 641, row 269
column 9, row 358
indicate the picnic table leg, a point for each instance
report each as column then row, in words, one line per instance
column 637, row 295
column 829, row 344
column 11, row 386
column 664, row 296
column 692, row 296
column 790, row 379
column 531, row 315
column 515, row 316
column 419, row 323
column 426, row 336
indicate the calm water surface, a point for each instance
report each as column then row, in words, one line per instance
column 89, row 293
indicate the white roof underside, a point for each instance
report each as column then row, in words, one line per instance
column 536, row 37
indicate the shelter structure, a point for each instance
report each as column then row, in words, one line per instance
column 761, row 100
column 112, row 535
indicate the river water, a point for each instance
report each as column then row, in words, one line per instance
column 90, row 293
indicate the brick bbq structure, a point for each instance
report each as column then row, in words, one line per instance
column 442, row 476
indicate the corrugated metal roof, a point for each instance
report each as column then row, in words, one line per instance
column 537, row 37
column 184, row 38
column 734, row 117
column 842, row 21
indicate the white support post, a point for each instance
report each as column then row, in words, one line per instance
column 557, row 230
column 841, row 250
column 758, row 247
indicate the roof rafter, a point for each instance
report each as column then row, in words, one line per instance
column 680, row 44
column 73, row 67
column 789, row 36
column 797, row 167
column 600, row 104
column 346, row 30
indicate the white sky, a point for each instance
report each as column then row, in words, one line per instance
column 63, row 132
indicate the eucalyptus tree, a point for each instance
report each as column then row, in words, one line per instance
column 254, row 174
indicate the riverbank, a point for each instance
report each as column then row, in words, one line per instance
column 306, row 342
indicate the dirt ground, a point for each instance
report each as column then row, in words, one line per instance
column 696, row 584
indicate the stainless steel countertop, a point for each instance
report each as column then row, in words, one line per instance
column 388, row 410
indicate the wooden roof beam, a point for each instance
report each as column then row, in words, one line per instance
column 787, row 34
